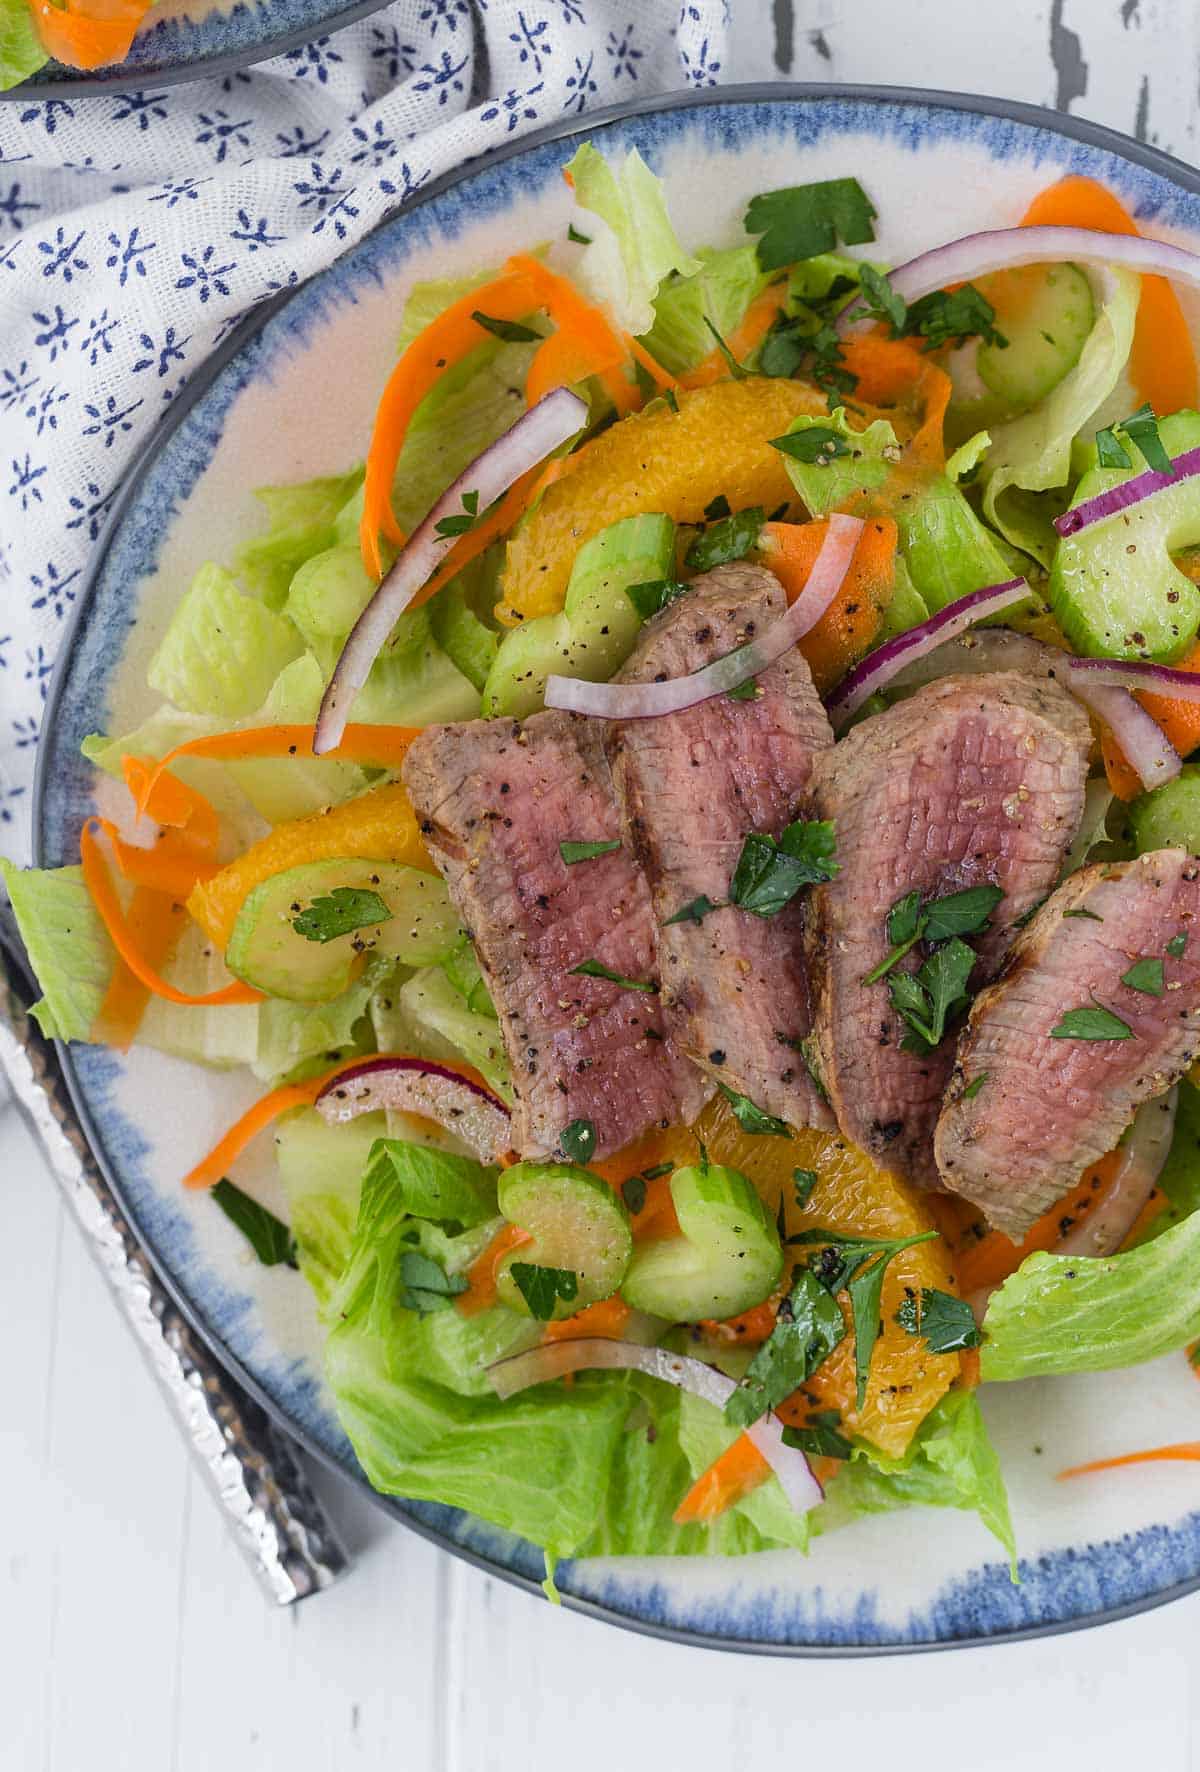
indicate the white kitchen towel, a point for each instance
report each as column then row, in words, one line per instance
column 137, row 228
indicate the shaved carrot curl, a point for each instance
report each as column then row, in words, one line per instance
column 1186, row 1453
column 173, row 865
column 739, row 1469
column 82, row 38
column 755, row 324
column 584, row 344
column 125, row 939
column 156, row 921
column 169, row 801
column 483, row 1271
column 607, row 1319
column 654, row 369
column 386, row 746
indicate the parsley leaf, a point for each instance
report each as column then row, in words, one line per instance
column 818, row 444
column 459, row 525
column 1142, row 428
column 804, row 1181
column 633, row 1192
column 1145, row 976
column 947, row 1323
column 859, row 1264
column 1110, row 451
column 947, row 317
column 1094, row 1023
column 542, row 1287
column 974, row 1086
column 961, row 913
column 654, row 594
column 820, row 1436
column 426, row 1286
column 752, row 1119
column 511, row 331
column 596, row 969
column 1081, row 910
column 808, row 1328
column 573, row 852
column 769, row 874
column 747, row 691
column 717, row 508
column 267, row 1235
column 574, row 234
column 346, row 908
column 578, row 1140
column 880, row 300
column 927, row 1000
column 730, row 539
column 1177, row 944
column 803, row 221
column 731, row 363
column 694, row 911
column 671, row 398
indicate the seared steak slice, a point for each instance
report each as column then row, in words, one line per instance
column 971, row 780
column 692, row 786
column 495, row 800
column 1048, row 1108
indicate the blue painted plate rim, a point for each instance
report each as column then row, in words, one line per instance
column 132, row 75
column 1078, row 129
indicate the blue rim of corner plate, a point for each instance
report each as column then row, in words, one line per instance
column 1080, row 130
column 163, row 68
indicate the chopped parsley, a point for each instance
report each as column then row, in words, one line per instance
column 818, row 444
column 1145, row 976
column 574, row 234
column 803, row 221
column 671, row 398
column 752, row 1118
column 1094, row 1023
column 717, row 508
column 747, row 691
column 820, row 1437
column 577, row 1141
column 735, row 369
column 947, row 1323
column 974, row 1086
column 1141, row 427
column 511, row 331
column 804, row 1181
column 694, row 911
column 1081, row 910
column 268, row 1236
column 573, row 852
column 957, row 913
column 1177, row 944
column 345, row 909
column 459, row 525
column 633, row 1192
column 654, row 594
column 928, row 999
column 425, row 1285
column 858, row 1264
column 769, row 874
column 807, row 1329
column 880, row 300
column 596, row 969
column 730, row 539
column 949, row 317
column 542, row 1287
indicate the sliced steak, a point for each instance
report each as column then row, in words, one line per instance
column 495, row 800
column 1048, row 1108
column 692, row 787
column 971, row 780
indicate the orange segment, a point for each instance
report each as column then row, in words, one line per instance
column 658, row 460
column 378, row 826
column 848, row 626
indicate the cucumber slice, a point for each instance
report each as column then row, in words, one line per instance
column 598, row 625
column 728, row 1258
column 576, row 1222
column 265, row 950
column 1046, row 313
column 1114, row 587
column 1169, row 817
column 329, row 593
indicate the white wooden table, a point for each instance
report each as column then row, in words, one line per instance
column 131, row 1635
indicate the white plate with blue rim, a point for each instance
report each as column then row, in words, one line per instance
column 290, row 396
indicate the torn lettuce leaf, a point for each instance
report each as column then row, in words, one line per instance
column 1061, row 1313
column 301, row 521
column 951, row 1463
column 1032, row 453
column 21, row 52
column 67, row 944
column 222, row 649
column 220, row 1035
column 719, row 292
column 633, row 247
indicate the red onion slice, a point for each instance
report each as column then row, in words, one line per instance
column 880, row 667
column 1147, row 749
column 1003, row 249
column 1136, row 673
column 646, row 701
column 978, row 652
column 536, row 433
column 421, row 1086
column 1104, row 1227
column 555, row 1359
column 1115, row 499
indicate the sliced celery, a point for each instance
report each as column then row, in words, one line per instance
column 578, row 1226
column 727, row 1258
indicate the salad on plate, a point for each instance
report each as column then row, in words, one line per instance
column 692, row 840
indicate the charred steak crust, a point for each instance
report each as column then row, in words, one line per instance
column 1048, row 1108
column 973, row 779
column 691, row 788
column 495, row 799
